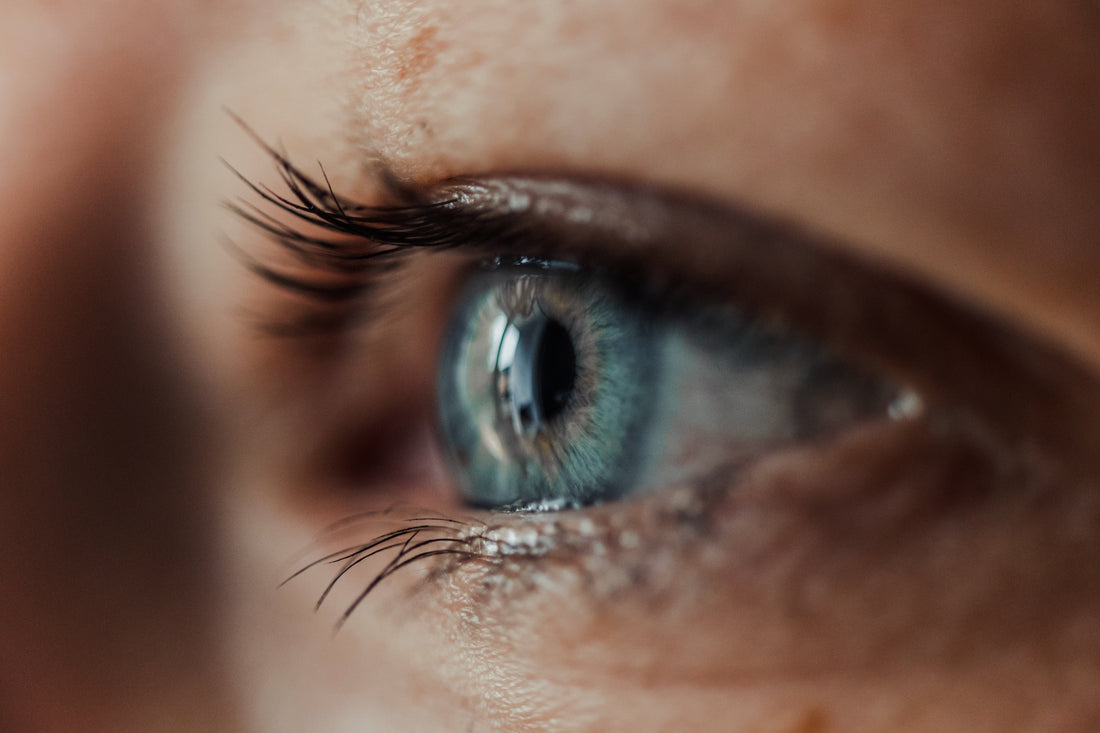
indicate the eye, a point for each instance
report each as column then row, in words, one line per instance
column 609, row 340
column 560, row 387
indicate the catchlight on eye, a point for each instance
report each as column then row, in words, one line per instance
column 534, row 369
column 558, row 389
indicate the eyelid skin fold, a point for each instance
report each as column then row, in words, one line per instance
column 690, row 247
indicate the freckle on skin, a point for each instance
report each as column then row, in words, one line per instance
column 420, row 54
column 813, row 721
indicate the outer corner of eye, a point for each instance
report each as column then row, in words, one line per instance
column 558, row 388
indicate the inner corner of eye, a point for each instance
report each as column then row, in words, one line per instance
column 557, row 389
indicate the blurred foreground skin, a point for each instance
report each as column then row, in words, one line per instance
column 154, row 478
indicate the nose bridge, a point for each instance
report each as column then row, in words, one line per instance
column 103, row 509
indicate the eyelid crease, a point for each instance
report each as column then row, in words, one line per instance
column 688, row 247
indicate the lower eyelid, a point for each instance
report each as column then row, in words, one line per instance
column 755, row 560
column 880, row 485
column 852, row 485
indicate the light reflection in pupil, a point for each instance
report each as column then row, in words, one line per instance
column 535, row 372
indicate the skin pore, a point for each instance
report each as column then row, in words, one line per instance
column 164, row 461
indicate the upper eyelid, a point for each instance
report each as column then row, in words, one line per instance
column 949, row 352
column 953, row 354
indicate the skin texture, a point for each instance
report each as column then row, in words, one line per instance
column 162, row 463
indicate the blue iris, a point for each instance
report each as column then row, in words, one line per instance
column 559, row 389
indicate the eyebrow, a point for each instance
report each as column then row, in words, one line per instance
column 686, row 247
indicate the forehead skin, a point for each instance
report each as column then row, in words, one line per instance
column 959, row 140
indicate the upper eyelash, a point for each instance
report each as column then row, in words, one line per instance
column 365, row 242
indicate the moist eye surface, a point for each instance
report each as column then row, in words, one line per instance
column 559, row 388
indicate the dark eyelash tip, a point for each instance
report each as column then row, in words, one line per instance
column 366, row 241
column 425, row 535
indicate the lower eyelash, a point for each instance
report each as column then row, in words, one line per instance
column 419, row 539
column 509, row 549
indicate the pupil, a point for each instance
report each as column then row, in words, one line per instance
column 555, row 369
